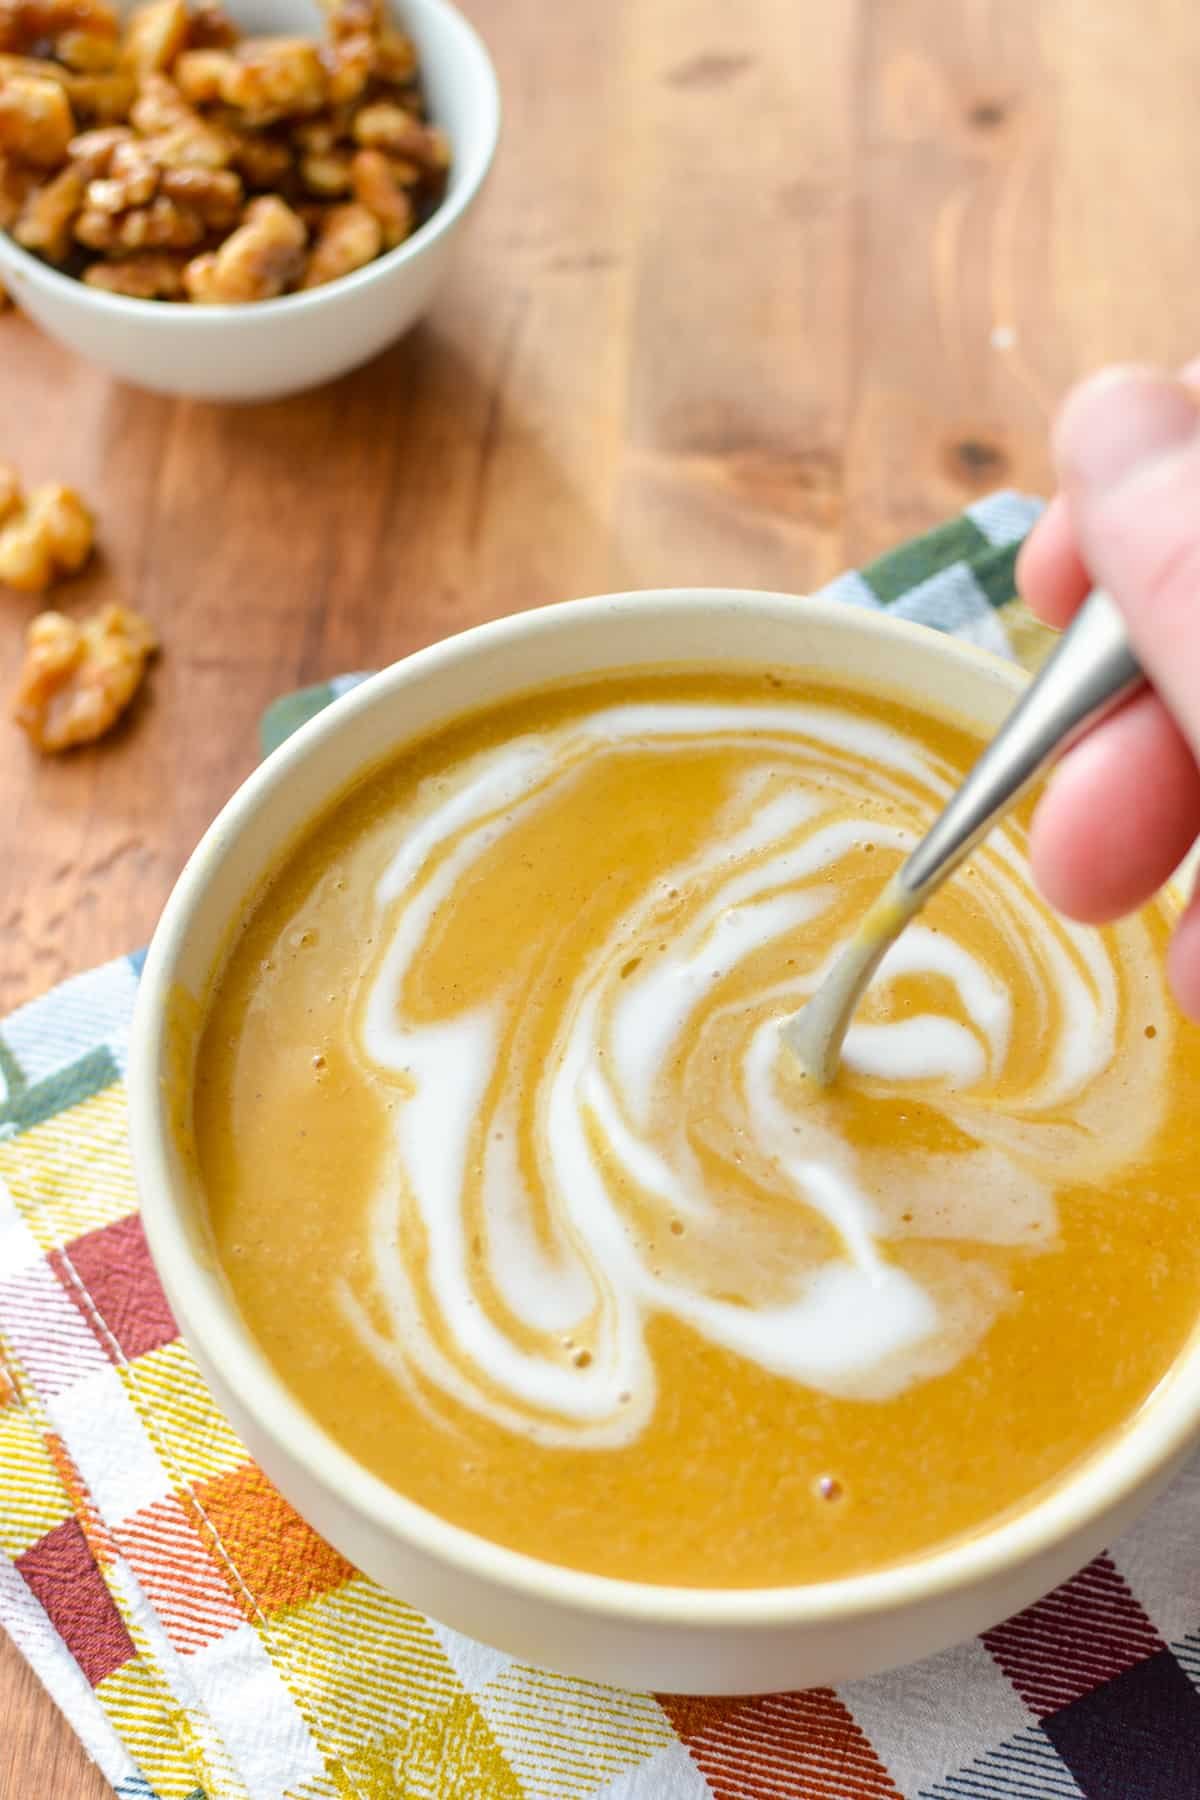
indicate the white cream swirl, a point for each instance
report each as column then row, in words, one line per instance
column 544, row 1202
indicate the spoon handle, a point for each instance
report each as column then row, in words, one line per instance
column 1092, row 668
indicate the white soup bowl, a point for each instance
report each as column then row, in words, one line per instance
column 695, row 1640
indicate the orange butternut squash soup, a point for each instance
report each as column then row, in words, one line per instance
column 523, row 1198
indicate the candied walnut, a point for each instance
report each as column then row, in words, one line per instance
column 36, row 68
column 386, row 126
column 16, row 183
column 159, row 105
column 274, row 78
column 92, row 151
column 350, row 18
column 132, row 179
column 348, row 237
column 262, row 162
column 256, row 262
column 315, row 135
column 194, row 144
column 155, row 35
column 106, row 99
column 49, row 536
column 326, row 173
column 78, row 678
column 349, row 65
column 210, row 27
column 405, row 174
column 178, row 136
column 11, row 499
column 36, row 124
column 24, row 23
column 437, row 151
column 198, row 74
column 395, row 57
column 86, row 52
column 199, row 279
column 376, row 187
column 184, row 121
column 49, row 214
column 163, row 225
column 214, row 195
column 152, row 275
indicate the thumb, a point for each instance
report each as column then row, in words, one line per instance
column 1128, row 451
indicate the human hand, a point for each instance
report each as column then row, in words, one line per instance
column 1124, row 806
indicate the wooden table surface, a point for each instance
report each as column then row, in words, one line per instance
column 755, row 292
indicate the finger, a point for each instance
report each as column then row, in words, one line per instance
column 1128, row 448
column 1119, row 815
column 1050, row 576
column 1183, row 961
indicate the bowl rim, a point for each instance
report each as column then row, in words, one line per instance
column 472, row 53
column 1129, row 1459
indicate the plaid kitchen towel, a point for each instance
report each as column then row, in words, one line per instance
column 206, row 1645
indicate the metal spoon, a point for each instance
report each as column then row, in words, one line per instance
column 1090, row 671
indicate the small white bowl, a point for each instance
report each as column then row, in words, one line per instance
column 684, row 1640
column 277, row 347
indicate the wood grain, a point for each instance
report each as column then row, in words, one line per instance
column 755, row 292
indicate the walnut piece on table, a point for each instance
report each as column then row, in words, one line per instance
column 79, row 677
column 43, row 537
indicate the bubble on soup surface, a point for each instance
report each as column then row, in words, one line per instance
column 829, row 1487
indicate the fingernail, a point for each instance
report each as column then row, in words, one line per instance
column 1120, row 420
